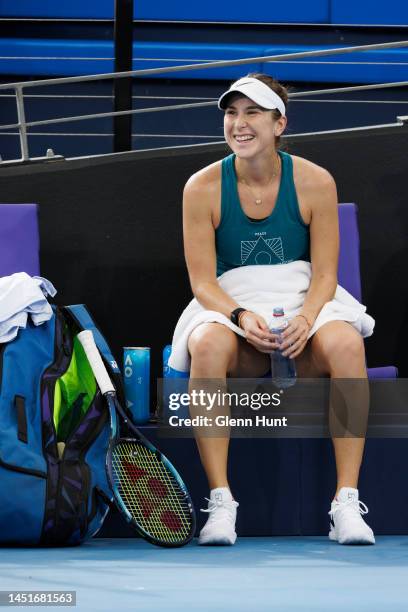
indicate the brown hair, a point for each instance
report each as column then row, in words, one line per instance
column 279, row 89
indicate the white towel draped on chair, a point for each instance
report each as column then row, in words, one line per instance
column 261, row 289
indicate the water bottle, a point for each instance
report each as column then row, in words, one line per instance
column 283, row 369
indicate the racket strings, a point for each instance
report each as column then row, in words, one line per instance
column 150, row 495
column 150, row 492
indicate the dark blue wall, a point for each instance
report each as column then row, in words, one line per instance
column 367, row 12
column 314, row 11
column 102, row 9
column 393, row 12
column 67, row 57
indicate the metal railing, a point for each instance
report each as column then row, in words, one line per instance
column 22, row 125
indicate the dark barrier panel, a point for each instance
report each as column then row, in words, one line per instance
column 111, row 232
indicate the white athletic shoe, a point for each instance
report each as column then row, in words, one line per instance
column 220, row 526
column 346, row 523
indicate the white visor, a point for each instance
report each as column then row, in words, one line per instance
column 256, row 91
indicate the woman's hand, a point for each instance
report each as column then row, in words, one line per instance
column 257, row 332
column 294, row 337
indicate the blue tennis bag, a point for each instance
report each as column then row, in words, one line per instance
column 54, row 434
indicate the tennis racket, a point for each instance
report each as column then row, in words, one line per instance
column 147, row 490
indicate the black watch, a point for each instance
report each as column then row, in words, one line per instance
column 234, row 316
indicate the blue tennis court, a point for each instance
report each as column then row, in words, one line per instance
column 281, row 573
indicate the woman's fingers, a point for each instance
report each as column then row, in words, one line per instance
column 263, row 343
column 298, row 351
column 258, row 334
column 295, row 330
column 292, row 351
column 262, row 340
column 291, row 339
column 290, row 336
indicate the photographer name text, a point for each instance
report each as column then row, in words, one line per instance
column 223, row 420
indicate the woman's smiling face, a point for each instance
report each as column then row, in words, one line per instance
column 250, row 129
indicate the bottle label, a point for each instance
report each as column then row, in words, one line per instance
column 278, row 326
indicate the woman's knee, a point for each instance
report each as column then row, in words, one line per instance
column 342, row 343
column 212, row 342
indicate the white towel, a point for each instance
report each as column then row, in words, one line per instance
column 261, row 289
column 22, row 296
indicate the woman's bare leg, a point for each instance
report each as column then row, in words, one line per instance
column 216, row 352
column 338, row 351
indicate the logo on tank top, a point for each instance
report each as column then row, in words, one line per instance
column 263, row 251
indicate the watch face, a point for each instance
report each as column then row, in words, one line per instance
column 235, row 315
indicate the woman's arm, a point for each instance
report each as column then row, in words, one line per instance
column 199, row 246
column 200, row 254
column 324, row 251
column 324, row 247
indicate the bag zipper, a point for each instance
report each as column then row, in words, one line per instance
column 64, row 356
column 66, row 353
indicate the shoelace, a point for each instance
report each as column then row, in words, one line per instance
column 361, row 507
column 214, row 505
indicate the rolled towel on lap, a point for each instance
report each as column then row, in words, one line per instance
column 261, row 289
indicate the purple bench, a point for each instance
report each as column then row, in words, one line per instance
column 19, row 239
column 349, row 269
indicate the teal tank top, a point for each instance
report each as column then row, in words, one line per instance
column 280, row 238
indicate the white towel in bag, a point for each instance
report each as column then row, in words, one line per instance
column 23, row 296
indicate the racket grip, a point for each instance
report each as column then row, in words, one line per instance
column 95, row 361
